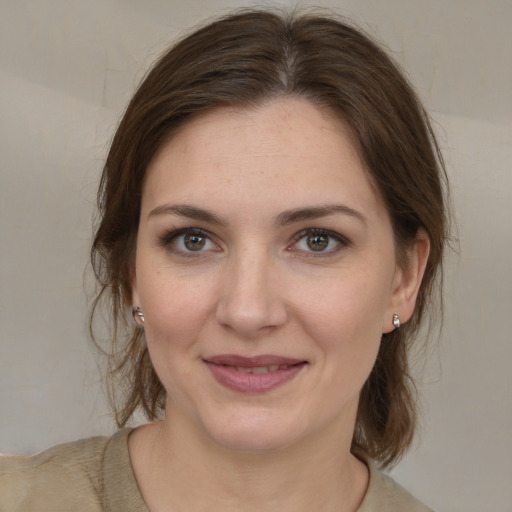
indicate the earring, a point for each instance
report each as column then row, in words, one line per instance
column 137, row 312
column 396, row 321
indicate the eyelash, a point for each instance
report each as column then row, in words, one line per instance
column 168, row 238
column 331, row 235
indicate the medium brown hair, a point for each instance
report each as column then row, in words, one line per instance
column 243, row 60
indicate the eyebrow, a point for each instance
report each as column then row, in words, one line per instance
column 288, row 217
column 316, row 212
column 188, row 212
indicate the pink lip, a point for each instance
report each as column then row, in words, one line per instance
column 224, row 370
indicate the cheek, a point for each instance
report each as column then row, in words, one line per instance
column 344, row 317
column 170, row 296
column 346, row 306
column 177, row 311
column 176, row 308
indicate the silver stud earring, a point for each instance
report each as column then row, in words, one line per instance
column 396, row 321
column 137, row 312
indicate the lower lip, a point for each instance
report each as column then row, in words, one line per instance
column 231, row 378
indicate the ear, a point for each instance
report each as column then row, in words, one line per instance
column 135, row 300
column 138, row 315
column 407, row 281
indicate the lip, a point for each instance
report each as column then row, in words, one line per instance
column 225, row 369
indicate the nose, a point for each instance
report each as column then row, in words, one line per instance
column 251, row 301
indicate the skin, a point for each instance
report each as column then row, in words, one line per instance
column 254, row 285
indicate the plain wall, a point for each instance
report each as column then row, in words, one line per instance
column 67, row 71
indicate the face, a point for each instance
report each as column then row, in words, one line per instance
column 266, row 272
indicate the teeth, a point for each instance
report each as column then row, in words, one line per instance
column 243, row 369
column 261, row 369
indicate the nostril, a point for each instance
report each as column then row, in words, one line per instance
column 251, row 317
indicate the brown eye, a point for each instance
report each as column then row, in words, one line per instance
column 317, row 242
column 194, row 241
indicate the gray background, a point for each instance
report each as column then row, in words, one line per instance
column 67, row 70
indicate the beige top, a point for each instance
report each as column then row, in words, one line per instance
column 95, row 475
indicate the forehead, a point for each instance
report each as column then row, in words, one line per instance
column 287, row 150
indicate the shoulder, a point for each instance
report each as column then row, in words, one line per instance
column 386, row 495
column 66, row 477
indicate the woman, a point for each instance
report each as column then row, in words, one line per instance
column 272, row 217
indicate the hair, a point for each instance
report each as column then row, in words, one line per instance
column 244, row 60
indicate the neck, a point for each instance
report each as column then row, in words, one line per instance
column 320, row 474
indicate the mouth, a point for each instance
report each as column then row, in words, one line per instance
column 254, row 374
column 262, row 369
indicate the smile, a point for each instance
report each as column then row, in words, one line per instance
column 253, row 375
column 262, row 369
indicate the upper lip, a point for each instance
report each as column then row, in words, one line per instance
column 252, row 362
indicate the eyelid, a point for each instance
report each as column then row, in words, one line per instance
column 342, row 240
column 169, row 236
